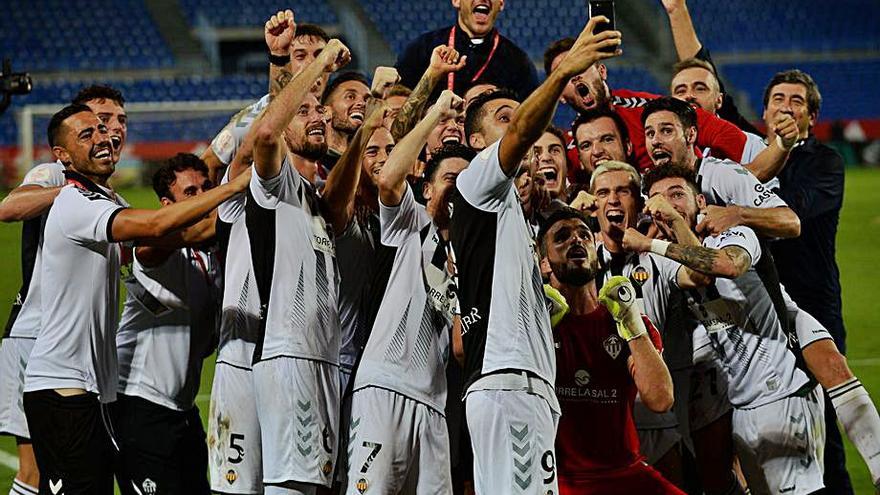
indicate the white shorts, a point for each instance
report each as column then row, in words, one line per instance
column 708, row 397
column 779, row 445
column 512, row 435
column 398, row 445
column 234, row 453
column 298, row 406
column 14, row 354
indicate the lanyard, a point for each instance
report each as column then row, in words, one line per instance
column 450, row 78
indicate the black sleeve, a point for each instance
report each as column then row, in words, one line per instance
column 817, row 187
column 728, row 111
column 411, row 64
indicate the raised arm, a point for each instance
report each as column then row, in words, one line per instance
column 783, row 137
column 268, row 141
column 392, row 178
column 342, row 183
column 134, row 224
column 647, row 368
column 687, row 44
column 535, row 114
column 26, row 202
column 154, row 252
column 779, row 222
column 443, row 61
column 279, row 32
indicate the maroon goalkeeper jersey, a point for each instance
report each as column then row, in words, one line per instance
column 596, row 392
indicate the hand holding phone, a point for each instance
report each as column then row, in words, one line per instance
column 603, row 7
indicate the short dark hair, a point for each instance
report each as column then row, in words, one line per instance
column 559, row 214
column 670, row 170
column 59, row 117
column 795, row 76
column 99, row 92
column 165, row 177
column 312, row 31
column 559, row 133
column 682, row 109
column 597, row 113
column 696, row 63
column 474, row 114
column 553, row 51
column 451, row 150
column 343, row 77
column 398, row 90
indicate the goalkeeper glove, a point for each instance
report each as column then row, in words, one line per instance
column 619, row 297
column 558, row 307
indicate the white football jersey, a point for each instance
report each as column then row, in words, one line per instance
column 76, row 346
column 27, row 323
column 505, row 323
column 409, row 342
column 294, row 261
column 744, row 332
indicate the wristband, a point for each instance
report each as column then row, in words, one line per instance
column 659, row 247
column 279, row 60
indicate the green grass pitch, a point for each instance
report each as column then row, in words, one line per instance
column 858, row 256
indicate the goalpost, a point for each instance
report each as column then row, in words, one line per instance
column 156, row 130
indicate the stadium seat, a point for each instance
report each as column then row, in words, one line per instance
column 253, row 13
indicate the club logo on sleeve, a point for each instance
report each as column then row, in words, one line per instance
column 613, row 346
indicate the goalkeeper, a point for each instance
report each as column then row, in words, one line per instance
column 606, row 352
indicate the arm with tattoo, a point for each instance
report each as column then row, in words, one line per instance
column 443, row 61
column 727, row 262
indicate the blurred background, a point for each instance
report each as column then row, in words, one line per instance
column 185, row 66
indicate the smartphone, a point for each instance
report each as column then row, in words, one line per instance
column 606, row 8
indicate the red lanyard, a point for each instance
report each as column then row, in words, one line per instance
column 450, row 78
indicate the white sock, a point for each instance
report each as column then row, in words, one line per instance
column 860, row 420
column 21, row 488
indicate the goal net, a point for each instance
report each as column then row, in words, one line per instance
column 156, row 131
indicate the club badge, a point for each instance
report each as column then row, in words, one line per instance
column 640, row 275
column 613, row 346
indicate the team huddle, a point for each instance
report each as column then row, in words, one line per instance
column 417, row 284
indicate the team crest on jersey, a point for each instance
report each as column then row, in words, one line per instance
column 613, row 346
column 231, row 476
column 327, row 468
column 149, row 487
column 640, row 275
column 582, row 378
column 361, row 485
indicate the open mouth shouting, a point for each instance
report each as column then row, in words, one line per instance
column 550, row 175
column 482, row 11
column 587, row 99
column 616, row 218
column 356, row 116
column 116, row 142
column 660, row 156
column 577, row 253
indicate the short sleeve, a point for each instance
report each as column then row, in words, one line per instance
column 729, row 183
column 754, row 146
column 399, row 222
column 86, row 217
column 668, row 270
column 226, row 144
column 483, row 184
column 231, row 209
column 45, row 175
column 283, row 188
column 739, row 236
